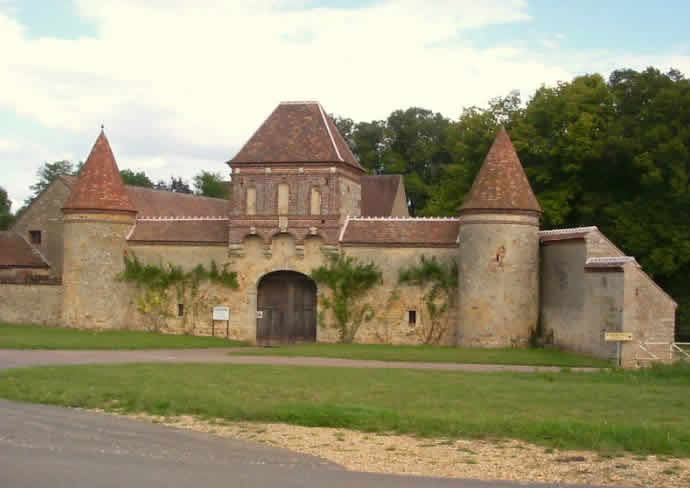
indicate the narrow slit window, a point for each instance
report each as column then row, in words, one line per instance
column 251, row 201
column 315, row 202
column 180, row 309
column 412, row 318
column 283, row 198
column 35, row 236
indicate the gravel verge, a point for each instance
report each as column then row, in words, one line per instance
column 499, row 459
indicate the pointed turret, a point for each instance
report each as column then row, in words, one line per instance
column 498, row 253
column 99, row 187
column 501, row 183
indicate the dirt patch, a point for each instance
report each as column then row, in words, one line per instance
column 471, row 459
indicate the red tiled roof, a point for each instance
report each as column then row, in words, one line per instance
column 182, row 231
column 296, row 132
column 378, row 194
column 501, row 183
column 402, row 232
column 15, row 252
column 161, row 203
column 99, row 185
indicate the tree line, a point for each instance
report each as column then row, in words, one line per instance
column 613, row 152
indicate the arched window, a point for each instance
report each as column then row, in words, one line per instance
column 251, row 201
column 283, row 198
column 315, row 202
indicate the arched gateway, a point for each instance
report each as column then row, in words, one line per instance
column 286, row 303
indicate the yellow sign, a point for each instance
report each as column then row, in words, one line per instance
column 618, row 336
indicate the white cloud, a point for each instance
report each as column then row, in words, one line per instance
column 180, row 85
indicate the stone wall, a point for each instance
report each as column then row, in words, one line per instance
column 649, row 314
column 562, row 293
column 31, row 304
column 392, row 301
column 45, row 214
column 499, row 279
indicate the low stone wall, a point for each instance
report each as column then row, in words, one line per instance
column 31, row 304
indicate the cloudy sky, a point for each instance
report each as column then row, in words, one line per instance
column 181, row 84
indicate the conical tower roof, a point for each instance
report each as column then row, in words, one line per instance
column 99, row 186
column 296, row 132
column 501, row 183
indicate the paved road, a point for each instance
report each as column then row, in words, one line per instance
column 12, row 358
column 43, row 446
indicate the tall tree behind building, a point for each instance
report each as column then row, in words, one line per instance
column 6, row 217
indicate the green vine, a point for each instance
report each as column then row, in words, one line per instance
column 348, row 280
column 442, row 283
column 156, row 283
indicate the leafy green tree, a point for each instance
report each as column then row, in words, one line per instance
column 6, row 217
column 211, row 184
column 139, row 178
column 47, row 173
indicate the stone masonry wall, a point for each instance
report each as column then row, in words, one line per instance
column 31, row 304
column 650, row 315
column 562, row 298
column 393, row 301
column 498, row 282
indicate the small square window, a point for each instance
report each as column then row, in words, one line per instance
column 180, row 309
column 412, row 318
column 35, row 236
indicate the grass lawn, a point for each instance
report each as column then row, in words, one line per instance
column 434, row 354
column 35, row 337
column 640, row 411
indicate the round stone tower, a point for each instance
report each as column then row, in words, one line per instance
column 97, row 216
column 498, row 283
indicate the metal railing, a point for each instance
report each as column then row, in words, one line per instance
column 676, row 350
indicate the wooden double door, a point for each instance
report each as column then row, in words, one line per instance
column 286, row 306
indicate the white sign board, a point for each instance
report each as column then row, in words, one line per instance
column 221, row 313
column 259, row 314
column 618, row 336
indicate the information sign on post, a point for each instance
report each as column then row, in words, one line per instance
column 618, row 337
column 221, row 314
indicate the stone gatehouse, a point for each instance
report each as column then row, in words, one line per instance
column 298, row 195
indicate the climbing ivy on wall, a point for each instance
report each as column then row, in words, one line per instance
column 157, row 283
column 348, row 280
column 441, row 282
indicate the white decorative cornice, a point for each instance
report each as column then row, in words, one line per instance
column 180, row 219
column 573, row 230
column 407, row 219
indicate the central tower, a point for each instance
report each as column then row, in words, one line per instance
column 498, row 243
column 295, row 175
